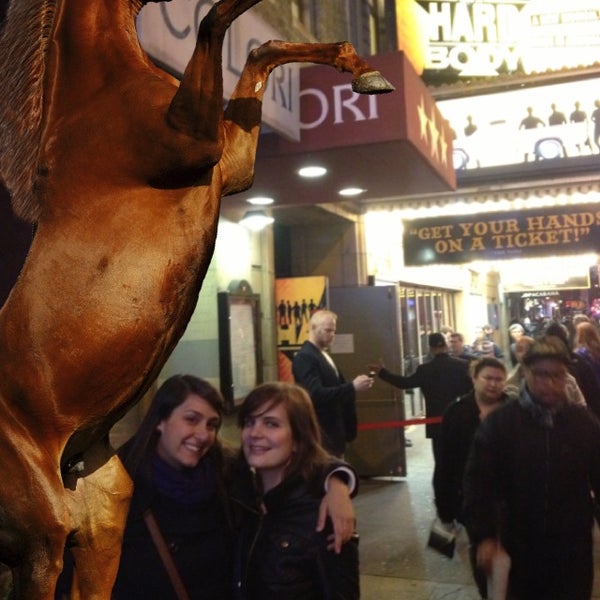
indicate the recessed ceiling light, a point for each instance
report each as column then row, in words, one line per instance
column 351, row 191
column 255, row 220
column 260, row 200
column 312, row 171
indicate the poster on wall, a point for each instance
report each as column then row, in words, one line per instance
column 240, row 351
column 461, row 239
column 243, row 344
column 296, row 299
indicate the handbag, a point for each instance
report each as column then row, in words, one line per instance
column 165, row 555
column 441, row 539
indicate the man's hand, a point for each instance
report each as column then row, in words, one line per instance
column 362, row 383
column 338, row 506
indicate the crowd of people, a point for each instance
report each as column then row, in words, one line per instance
column 516, row 453
column 532, row 480
column 512, row 448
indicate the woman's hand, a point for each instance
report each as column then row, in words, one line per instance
column 487, row 551
column 374, row 368
column 338, row 506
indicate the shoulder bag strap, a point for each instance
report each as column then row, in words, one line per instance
column 165, row 555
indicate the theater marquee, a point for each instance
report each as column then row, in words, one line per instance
column 463, row 38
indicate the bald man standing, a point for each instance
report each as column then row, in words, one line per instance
column 333, row 397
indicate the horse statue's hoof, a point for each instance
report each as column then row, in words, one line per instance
column 372, row 82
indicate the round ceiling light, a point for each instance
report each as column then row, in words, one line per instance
column 255, row 220
column 312, row 171
column 260, row 200
column 351, row 191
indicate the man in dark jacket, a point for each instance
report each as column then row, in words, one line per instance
column 442, row 380
column 333, row 397
column 532, row 484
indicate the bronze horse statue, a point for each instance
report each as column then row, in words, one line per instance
column 122, row 168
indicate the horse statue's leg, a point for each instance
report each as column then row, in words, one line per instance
column 243, row 113
column 98, row 499
column 33, row 533
column 193, row 110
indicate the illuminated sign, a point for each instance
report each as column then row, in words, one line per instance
column 469, row 38
column 497, row 128
column 569, row 275
column 502, row 235
column 334, row 117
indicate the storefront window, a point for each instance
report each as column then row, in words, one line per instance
column 423, row 311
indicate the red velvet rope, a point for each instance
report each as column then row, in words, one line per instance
column 394, row 424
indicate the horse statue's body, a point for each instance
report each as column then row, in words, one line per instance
column 122, row 168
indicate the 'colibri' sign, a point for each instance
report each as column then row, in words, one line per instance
column 168, row 31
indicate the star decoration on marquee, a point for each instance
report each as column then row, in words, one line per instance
column 423, row 119
column 433, row 134
column 444, row 150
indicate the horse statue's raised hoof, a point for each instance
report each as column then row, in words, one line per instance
column 372, row 82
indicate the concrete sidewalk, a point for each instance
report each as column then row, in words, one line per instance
column 394, row 517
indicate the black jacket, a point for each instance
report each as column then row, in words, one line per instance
column 280, row 555
column 529, row 481
column 459, row 423
column 442, row 380
column 199, row 535
column 333, row 397
column 586, row 379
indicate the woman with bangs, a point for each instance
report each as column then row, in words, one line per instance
column 280, row 553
